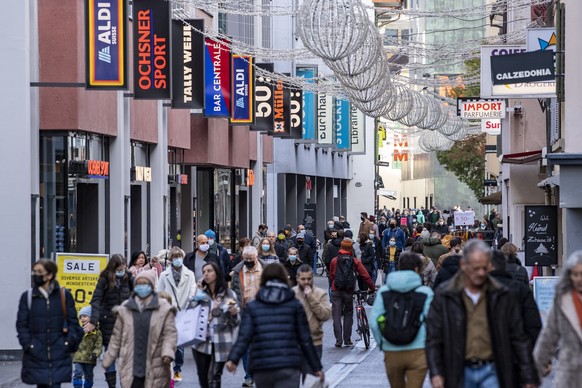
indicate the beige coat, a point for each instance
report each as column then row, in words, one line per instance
column 318, row 310
column 161, row 343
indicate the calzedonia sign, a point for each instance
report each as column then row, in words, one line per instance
column 106, row 44
column 532, row 66
column 151, row 49
column 187, row 64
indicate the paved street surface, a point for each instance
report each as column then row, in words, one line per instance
column 345, row 367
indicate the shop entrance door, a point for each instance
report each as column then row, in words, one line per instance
column 87, row 218
column 136, row 218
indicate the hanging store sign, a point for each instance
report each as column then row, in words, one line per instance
column 243, row 95
column 106, row 44
column 541, row 39
column 325, row 105
column 401, row 150
column 517, row 90
column 541, row 235
column 141, row 174
column 263, row 99
column 491, row 126
column 217, row 63
column 533, row 66
column 151, row 49
column 296, row 113
column 475, row 108
column 342, row 124
column 281, row 110
column 187, row 64
column 309, row 120
column 357, row 131
column 89, row 168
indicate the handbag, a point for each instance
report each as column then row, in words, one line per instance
column 379, row 278
column 192, row 325
column 312, row 381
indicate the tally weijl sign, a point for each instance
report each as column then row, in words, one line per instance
column 532, row 66
column 187, row 64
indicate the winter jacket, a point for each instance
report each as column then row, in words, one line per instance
column 47, row 349
column 308, row 240
column 280, row 251
column 90, row 348
column 385, row 263
column 189, row 260
column 305, row 254
column 433, row 248
column 275, row 330
column 532, row 321
column 292, row 268
column 428, row 272
column 317, row 309
column 182, row 293
column 400, row 281
column 517, row 271
column 161, row 342
column 447, row 329
column 368, row 256
column 237, row 284
column 562, row 334
column 330, row 251
column 450, row 267
column 442, row 229
column 222, row 254
column 104, row 299
column 365, row 226
column 358, row 268
column 420, row 217
column 398, row 234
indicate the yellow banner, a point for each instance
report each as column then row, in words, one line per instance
column 79, row 273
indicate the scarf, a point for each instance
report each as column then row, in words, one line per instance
column 578, row 305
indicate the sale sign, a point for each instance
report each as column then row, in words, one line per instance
column 217, row 79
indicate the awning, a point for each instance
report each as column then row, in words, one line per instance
column 522, row 157
column 491, row 199
column 550, row 182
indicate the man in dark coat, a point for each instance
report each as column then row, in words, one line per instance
column 450, row 267
column 195, row 260
column 475, row 330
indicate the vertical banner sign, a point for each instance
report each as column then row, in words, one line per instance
column 106, row 44
column 325, row 119
column 216, row 79
column 263, row 100
column 309, row 104
column 281, row 110
column 309, row 218
column 342, row 124
column 151, row 49
column 79, row 273
column 296, row 113
column 541, row 235
column 357, row 131
column 243, row 95
column 187, row 64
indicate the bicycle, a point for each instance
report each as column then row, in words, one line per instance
column 363, row 328
column 320, row 268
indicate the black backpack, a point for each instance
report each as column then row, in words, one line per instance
column 345, row 278
column 402, row 317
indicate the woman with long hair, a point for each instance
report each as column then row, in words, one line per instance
column 222, row 305
column 139, row 262
column 428, row 272
column 563, row 328
column 114, row 286
column 267, row 252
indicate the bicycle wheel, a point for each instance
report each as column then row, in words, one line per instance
column 320, row 267
column 365, row 329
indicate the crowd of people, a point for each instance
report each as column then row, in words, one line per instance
column 455, row 307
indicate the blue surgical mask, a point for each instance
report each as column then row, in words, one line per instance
column 143, row 290
column 177, row 263
column 266, row 247
column 120, row 274
column 371, row 236
column 292, row 257
column 392, row 243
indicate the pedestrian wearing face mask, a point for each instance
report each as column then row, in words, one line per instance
column 194, row 261
column 114, row 286
column 396, row 232
column 267, row 252
column 327, row 233
column 178, row 281
column 366, row 224
column 219, row 250
column 305, row 252
column 292, row 264
column 441, row 227
column 279, row 242
column 144, row 337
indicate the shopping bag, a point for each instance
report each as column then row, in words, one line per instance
column 192, row 325
column 312, row 381
column 379, row 279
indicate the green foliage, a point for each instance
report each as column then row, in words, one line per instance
column 466, row 159
column 473, row 69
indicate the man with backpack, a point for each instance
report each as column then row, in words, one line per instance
column 397, row 322
column 342, row 277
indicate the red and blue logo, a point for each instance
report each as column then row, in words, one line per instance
column 216, row 79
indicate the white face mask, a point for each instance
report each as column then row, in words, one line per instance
column 210, row 241
column 204, row 247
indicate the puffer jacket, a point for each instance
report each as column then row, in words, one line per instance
column 447, row 331
column 433, row 248
column 275, row 327
column 162, row 339
column 47, row 349
column 104, row 299
column 450, row 267
column 90, row 348
column 368, row 256
column 517, row 271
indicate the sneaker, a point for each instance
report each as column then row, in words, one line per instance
column 248, row 383
column 348, row 343
column 177, row 376
column 338, row 344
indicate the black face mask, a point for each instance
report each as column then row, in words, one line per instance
column 250, row 264
column 300, row 242
column 38, row 280
column 392, row 226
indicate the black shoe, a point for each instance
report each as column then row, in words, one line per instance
column 338, row 344
column 348, row 343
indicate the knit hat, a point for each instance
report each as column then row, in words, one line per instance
column 210, row 234
column 85, row 311
column 149, row 275
column 348, row 234
column 446, row 241
column 347, row 244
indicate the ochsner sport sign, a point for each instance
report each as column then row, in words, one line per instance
column 106, row 44
column 474, row 108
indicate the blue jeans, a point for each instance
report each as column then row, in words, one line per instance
column 483, row 377
column 179, row 359
column 391, row 268
column 245, row 360
column 83, row 371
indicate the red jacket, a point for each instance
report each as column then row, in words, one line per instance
column 358, row 266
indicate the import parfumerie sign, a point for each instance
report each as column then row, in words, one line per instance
column 475, row 108
column 532, row 66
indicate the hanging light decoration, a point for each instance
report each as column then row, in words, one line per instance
column 461, row 133
column 452, row 125
column 368, row 78
column 417, row 112
column 402, row 103
column 443, row 117
column 332, row 29
column 434, row 141
column 372, row 92
column 383, row 109
column 433, row 113
column 379, row 104
column 360, row 59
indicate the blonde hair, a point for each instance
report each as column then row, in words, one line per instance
column 176, row 252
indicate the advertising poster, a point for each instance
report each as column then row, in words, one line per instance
column 243, row 95
column 281, row 110
column 357, row 131
column 544, row 290
column 106, row 44
column 216, row 79
column 79, row 273
column 325, row 107
column 309, row 104
column 187, row 64
column 342, row 124
column 296, row 112
column 541, row 235
column 151, row 49
column 263, row 100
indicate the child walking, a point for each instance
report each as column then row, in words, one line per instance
column 85, row 358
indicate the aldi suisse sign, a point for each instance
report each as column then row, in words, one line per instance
column 243, row 95
column 216, row 79
column 474, row 108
